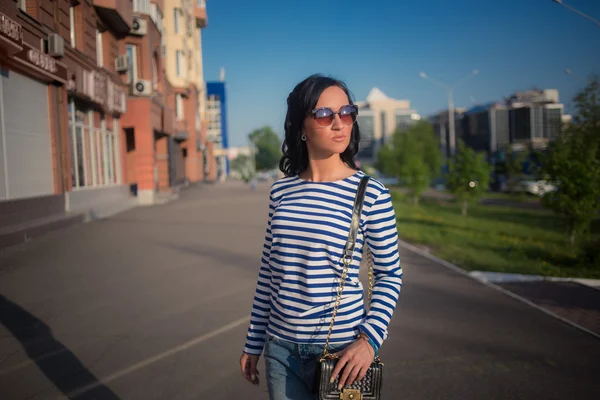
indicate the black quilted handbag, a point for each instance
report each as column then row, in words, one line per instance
column 368, row 388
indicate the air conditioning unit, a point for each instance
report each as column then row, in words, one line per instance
column 142, row 88
column 122, row 63
column 56, row 45
column 139, row 26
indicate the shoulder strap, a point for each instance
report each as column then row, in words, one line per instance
column 356, row 212
column 348, row 252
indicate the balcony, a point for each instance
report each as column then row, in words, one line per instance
column 117, row 14
column 200, row 13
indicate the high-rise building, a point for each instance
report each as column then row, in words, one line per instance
column 530, row 118
column 535, row 117
column 217, row 133
column 379, row 116
column 486, row 128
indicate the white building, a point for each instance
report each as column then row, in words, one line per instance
column 378, row 118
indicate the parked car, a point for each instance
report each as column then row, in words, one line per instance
column 535, row 187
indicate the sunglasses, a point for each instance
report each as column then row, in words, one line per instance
column 325, row 115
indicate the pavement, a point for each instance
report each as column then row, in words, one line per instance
column 153, row 303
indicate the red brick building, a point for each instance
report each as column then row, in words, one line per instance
column 87, row 115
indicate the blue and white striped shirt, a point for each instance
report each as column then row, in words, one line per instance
column 301, row 264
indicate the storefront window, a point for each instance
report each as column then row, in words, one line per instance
column 93, row 152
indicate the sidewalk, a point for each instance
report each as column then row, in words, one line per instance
column 574, row 300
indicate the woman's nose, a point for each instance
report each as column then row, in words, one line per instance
column 337, row 122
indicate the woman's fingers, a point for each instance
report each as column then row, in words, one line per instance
column 352, row 375
column 348, row 369
column 338, row 367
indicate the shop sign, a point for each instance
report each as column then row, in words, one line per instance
column 43, row 63
column 94, row 86
column 11, row 34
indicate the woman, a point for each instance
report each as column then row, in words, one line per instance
column 310, row 210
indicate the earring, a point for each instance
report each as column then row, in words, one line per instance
column 303, row 137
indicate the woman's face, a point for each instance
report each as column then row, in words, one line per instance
column 332, row 139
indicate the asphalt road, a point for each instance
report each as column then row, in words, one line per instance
column 154, row 304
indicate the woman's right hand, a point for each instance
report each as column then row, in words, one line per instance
column 248, row 364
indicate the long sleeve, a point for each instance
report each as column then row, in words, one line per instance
column 381, row 235
column 255, row 339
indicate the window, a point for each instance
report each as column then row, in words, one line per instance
column 99, row 52
column 179, row 106
column 72, row 24
column 176, row 20
column 23, row 5
column 141, row 6
column 201, row 3
column 178, row 63
column 94, row 148
column 156, row 16
column 133, row 64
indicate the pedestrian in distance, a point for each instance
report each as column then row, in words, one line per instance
column 303, row 258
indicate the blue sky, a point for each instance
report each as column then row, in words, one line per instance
column 268, row 46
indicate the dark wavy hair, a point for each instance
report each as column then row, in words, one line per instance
column 301, row 101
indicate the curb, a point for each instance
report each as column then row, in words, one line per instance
column 461, row 271
column 495, row 277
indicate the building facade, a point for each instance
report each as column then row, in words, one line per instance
column 523, row 120
column 149, row 123
column 217, row 133
column 379, row 116
column 58, row 64
column 486, row 128
column 184, row 21
column 110, row 130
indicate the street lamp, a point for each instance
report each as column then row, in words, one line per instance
column 450, row 92
column 571, row 73
column 562, row 3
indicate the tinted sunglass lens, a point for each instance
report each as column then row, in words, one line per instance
column 348, row 115
column 324, row 117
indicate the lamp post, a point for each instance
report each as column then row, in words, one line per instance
column 450, row 92
column 562, row 3
column 571, row 73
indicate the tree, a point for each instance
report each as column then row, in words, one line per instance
column 572, row 163
column 468, row 176
column 268, row 148
column 413, row 157
column 243, row 166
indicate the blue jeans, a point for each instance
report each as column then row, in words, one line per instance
column 291, row 368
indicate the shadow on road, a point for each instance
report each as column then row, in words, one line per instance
column 52, row 358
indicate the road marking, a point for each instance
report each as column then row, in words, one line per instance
column 158, row 357
column 461, row 271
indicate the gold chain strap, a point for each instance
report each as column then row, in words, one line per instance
column 338, row 298
column 347, row 262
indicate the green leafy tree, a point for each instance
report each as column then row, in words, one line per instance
column 413, row 157
column 573, row 165
column 268, row 148
column 468, row 176
column 243, row 167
